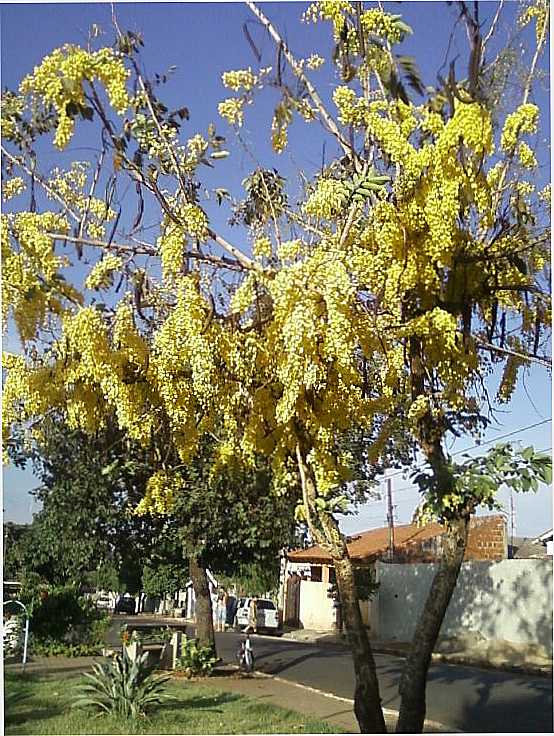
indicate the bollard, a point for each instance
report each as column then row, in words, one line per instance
column 176, row 642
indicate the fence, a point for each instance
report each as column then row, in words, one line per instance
column 510, row 600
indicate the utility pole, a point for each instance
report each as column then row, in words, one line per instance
column 390, row 519
column 512, row 523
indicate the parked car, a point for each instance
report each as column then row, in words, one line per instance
column 104, row 602
column 125, row 604
column 268, row 616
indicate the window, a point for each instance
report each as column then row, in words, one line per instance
column 332, row 576
column 265, row 605
column 316, row 573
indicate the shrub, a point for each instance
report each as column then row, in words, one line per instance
column 124, row 687
column 64, row 622
column 195, row 660
column 47, row 647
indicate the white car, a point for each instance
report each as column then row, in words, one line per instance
column 104, row 603
column 267, row 618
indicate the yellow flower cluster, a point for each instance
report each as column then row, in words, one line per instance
column 101, row 274
column 540, row 10
column 470, row 122
column 546, row 194
column 315, row 61
column 353, row 110
column 328, row 200
column 262, row 247
column 173, row 236
column 244, row 296
column 379, row 23
column 194, row 221
column 523, row 120
column 28, row 392
column 232, row 110
column 59, row 79
column 126, row 337
column 304, row 108
column 161, row 489
column 526, row 156
column 240, row 79
column 509, row 379
column 11, row 110
column 31, row 286
column 331, row 10
column 279, row 138
column 418, row 408
column 171, row 244
column 197, row 145
column 12, row 187
column 290, row 249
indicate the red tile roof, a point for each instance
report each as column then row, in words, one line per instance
column 373, row 544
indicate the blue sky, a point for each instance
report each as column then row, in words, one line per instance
column 205, row 39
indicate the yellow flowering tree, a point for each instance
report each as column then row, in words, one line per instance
column 370, row 310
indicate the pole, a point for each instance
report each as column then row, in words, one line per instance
column 512, row 523
column 390, row 519
column 25, row 642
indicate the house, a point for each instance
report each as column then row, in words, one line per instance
column 309, row 572
column 524, row 548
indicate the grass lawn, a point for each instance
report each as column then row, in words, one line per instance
column 41, row 704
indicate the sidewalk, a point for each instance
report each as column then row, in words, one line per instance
column 493, row 655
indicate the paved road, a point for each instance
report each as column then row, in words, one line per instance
column 466, row 698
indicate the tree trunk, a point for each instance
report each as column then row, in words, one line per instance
column 414, row 676
column 367, row 701
column 325, row 530
column 204, row 615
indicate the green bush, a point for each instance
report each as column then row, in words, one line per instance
column 195, row 660
column 124, row 687
column 47, row 647
column 62, row 621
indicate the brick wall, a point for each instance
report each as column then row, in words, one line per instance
column 487, row 539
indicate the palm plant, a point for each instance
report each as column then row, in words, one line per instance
column 124, row 687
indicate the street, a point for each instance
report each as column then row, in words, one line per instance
column 466, row 698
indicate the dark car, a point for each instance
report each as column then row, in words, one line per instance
column 125, row 604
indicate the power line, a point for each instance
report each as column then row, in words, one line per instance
column 414, row 488
column 503, row 436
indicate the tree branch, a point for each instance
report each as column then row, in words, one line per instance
column 505, row 351
column 298, row 71
column 47, row 188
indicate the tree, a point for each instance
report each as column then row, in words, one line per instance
column 227, row 519
column 414, row 260
column 85, row 534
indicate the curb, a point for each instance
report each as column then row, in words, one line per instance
column 387, row 712
column 437, row 657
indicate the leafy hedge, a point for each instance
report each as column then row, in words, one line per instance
column 64, row 622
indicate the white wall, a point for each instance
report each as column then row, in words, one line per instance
column 316, row 609
column 510, row 600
